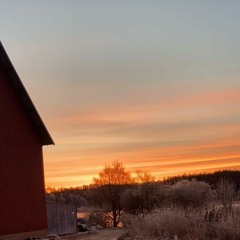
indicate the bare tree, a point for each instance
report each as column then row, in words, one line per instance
column 110, row 183
column 147, row 189
column 144, row 176
column 226, row 193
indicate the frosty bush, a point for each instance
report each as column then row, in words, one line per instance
column 226, row 193
column 186, row 225
column 191, row 193
column 166, row 224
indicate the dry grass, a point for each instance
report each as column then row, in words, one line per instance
column 186, row 225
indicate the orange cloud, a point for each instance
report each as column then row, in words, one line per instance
column 196, row 132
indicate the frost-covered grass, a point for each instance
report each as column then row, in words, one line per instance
column 177, row 223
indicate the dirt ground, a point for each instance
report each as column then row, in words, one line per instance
column 105, row 234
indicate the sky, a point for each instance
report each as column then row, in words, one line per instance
column 153, row 84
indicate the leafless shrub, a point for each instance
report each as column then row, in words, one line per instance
column 226, row 228
column 186, row 225
column 165, row 225
column 226, row 193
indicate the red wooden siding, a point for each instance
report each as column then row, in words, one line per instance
column 22, row 196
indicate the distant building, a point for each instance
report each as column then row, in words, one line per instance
column 22, row 135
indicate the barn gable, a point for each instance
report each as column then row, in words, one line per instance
column 22, row 135
column 21, row 92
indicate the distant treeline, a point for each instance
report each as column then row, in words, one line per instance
column 144, row 194
column 88, row 195
column 210, row 178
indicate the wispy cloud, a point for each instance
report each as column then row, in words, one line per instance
column 196, row 132
column 151, row 83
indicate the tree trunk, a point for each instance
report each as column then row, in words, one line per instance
column 115, row 221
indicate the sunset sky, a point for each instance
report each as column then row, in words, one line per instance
column 153, row 84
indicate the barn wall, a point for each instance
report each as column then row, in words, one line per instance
column 62, row 219
column 22, row 195
column 24, row 235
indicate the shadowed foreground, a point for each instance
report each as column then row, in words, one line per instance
column 105, row 234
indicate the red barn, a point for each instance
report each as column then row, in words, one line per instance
column 22, row 135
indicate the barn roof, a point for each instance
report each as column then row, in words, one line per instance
column 20, row 90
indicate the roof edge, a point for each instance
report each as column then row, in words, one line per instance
column 24, row 97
